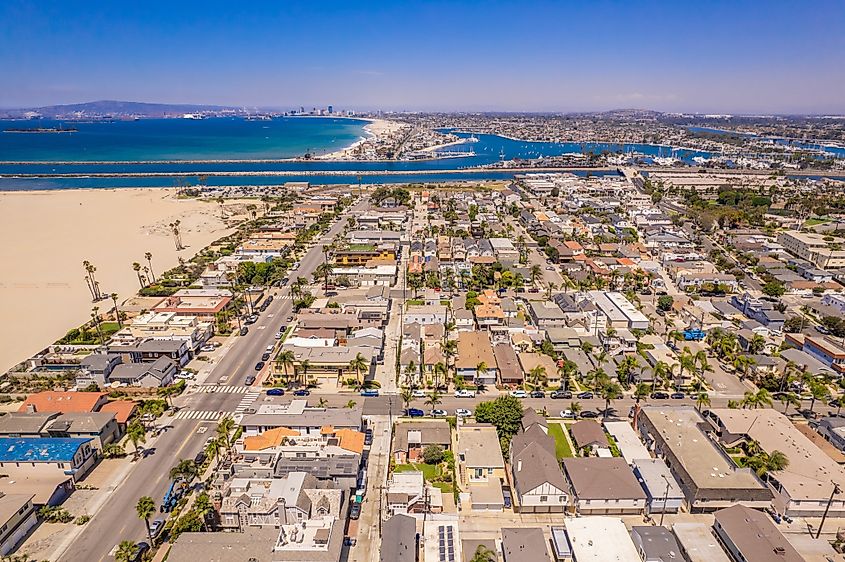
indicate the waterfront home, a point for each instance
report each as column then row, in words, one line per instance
column 64, row 402
column 161, row 372
column 48, row 455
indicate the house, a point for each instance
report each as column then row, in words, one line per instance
column 655, row 544
column 546, row 314
column 298, row 416
column 524, row 545
column 412, row 437
column 604, row 486
column 399, row 541
column 530, row 419
column 97, row 367
column 59, row 401
column 161, row 372
column 149, row 350
column 760, row 310
column 536, row 478
column 709, row 479
column 826, row 350
column 48, row 455
column 663, row 493
column 123, row 411
column 833, row 429
column 489, row 315
column 751, row 536
column 481, row 466
column 600, row 539
column 17, row 518
column 100, row 427
column 531, row 361
column 475, row 349
column 408, row 492
column 426, row 314
column 698, row 543
column 328, row 364
column 588, row 433
column 629, row 444
column 510, row 372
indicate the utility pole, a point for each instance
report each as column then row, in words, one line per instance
column 665, row 499
column 833, row 492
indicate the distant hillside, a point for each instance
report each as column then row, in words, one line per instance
column 117, row 108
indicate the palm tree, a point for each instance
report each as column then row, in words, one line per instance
column 116, row 311
column 743, row 363
column 125, row 551
column 322, row 402
column 358, row 364
column 323, row 271
column 185, row 469
column 213, row 449
column 304, row 365
column 598, row 376
column 145, row 508
column 284, row 360
column 702, row 399
column 660, row 371
column 167, row 393
column 440, row 370
column 789, row 399
column 551, row 288
column 351, row 404
column 224, row 429
column 641, row 392
column 567, row 370
column 537, row 376
column 433, row 399
column 407, row 397
column 535, row 273
column 819, row 392
column 149, row 257
column 136, row 433
column 481, row 369
column 202, row 507
column 610, row 391
column 575, row 408
column 136, row 267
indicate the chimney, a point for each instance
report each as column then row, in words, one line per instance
column 30, row 408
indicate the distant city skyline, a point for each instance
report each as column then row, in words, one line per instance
column 714, row 57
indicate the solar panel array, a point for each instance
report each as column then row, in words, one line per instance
column 446, row 540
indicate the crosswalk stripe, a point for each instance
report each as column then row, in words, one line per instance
column 231, row 389
column 204, row 415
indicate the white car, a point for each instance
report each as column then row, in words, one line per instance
column 464, row 394
column 567, row 414
column 207, row 347
column 519, row 394
column 439, row 413
column 417, row 393
column 277, row 335
column 463, row 413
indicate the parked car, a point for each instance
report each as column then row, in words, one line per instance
column 275, row 392
column 537, row 394
column 371, row 392
column 350, row 541
column 244, row 331
column 589, row 414
column 368, row 437
column 439, row 413
column 677, row 396
column 417, row 393
column 585, row 395
column 567, row 414
column 355, row 510
column 259, row 365
column 463, row 413
column 301, row 392
column 558, row 394
column 140, row 550
column 519, row 393
column 414, row 412
column 265, row 356
column 207, row 348
column 250, row 380
column 659, row 395
column 464, row 394
column 156, row 526
column 278, row 335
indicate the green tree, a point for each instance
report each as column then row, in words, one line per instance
column 202, row 507
column 505, row 413
column 609, row 392
column 224, row 430
column 359, row 364
column 136, row 433
column 185, row 468
column 702, row 399
column 145, row 508
column 433, row 399
column 433, row 454
column 665, row 303
column 407, row 397
column 125, row 551
column 774, row 289
column 789, row 399
column 483, row 554
column 284, row 360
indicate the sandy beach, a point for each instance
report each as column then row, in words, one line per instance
column 375, row 128
column 47, row 235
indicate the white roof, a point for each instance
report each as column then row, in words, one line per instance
column 601, row 539
column 626, row 438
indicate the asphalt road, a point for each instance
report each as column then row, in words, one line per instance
column 116, row 520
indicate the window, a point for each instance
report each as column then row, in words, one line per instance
column 561, row 499
column 544, row 498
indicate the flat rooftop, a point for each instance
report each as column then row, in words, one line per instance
column 600, row 539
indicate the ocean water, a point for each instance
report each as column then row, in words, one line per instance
column 179, row 139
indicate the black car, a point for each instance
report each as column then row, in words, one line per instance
column 660, row 395
column 537, row 394
column 259, row 365
column 355, row 510
column 677, row 396
column 244, row 331
column 561, row 394
column 589, row 414
column 368, row 437
column 140, row 549
column 200, row 458
column 265, row 356
column 301, row 392
column 585, row 395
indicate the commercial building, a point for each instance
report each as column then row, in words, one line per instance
column 825, row 254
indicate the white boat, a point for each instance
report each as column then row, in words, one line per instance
column 472, row 138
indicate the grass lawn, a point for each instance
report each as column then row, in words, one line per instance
column 814, row 222
column 414, row 302
column 430, row 471
column 445, row 487
column 562, row 449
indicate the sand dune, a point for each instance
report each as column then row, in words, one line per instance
column 47, row 234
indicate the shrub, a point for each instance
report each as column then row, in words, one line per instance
column 433, row 454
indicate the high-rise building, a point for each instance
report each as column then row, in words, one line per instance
column 331, row 110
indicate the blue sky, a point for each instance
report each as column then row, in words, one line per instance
column 767, row 56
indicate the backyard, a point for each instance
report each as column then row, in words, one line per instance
column 562, row 447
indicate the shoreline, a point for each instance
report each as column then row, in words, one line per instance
column 43, row 294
